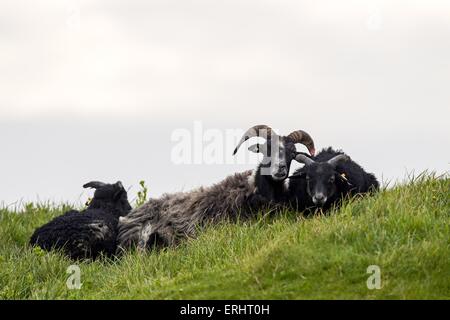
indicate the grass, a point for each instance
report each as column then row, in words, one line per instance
column 404, row 230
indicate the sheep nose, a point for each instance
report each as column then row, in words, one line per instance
column 319, row 199
column 281, row 172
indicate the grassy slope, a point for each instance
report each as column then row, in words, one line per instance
column 404, row 230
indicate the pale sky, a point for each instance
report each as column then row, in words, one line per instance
column 93, row 90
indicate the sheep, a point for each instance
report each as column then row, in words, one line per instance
column 278, row 153
column 173, row 217
column 327, row 178
column 91, row 232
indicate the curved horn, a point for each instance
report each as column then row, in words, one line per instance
column 254, row 132
column 303, row 158
column 94, row 184
column 300, row 136
column 335, row 160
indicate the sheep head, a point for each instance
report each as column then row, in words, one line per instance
column 323, row 179
column 278, row 151
column 112, row 195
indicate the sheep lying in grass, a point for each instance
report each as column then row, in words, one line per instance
column 91, row 232
column 173, row 217
column 326, row 178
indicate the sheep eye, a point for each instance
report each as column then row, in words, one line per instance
column 331, row 180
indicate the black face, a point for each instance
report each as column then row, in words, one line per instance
column 113, row 193
column 278, row 155
column 321, row 182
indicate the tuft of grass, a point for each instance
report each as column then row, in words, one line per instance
column 142, row 194
column 404, row 230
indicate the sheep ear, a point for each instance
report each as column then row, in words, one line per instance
column 94, row 184
column 119, row 184
column 256, row 148
column 343, row 178
column 119, row 191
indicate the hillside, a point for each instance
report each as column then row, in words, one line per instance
column 405, row 230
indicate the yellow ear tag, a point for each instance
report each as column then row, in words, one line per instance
column 88, row 202
column 344, row 177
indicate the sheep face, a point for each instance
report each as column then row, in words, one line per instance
column 323, row 181
column 278, row 154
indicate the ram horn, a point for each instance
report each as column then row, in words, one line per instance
column 300, row 136
column 335, row 160
column 303, row 158
column 94, row 184
column 254, row 131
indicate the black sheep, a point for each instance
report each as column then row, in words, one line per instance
column 91, row 232
column 327, row 178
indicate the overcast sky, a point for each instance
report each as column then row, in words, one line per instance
column 95, row 89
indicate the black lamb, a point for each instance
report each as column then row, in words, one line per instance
column 91, row 232
column 327, row 178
